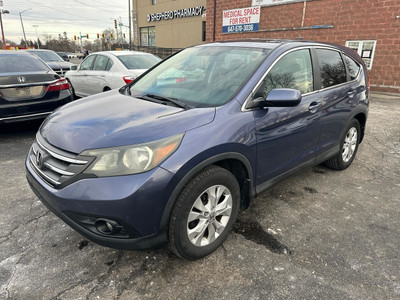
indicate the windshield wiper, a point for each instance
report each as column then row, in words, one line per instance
column 163, row 100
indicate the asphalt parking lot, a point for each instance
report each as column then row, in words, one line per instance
column 321, row 234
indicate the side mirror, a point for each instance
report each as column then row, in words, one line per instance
column 277, row 98
column 283, row 98
column 74, row 68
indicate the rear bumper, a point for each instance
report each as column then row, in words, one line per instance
column 37, row 109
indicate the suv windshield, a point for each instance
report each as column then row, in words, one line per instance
column 203, row 76
column 143, row 61
column 47, row 55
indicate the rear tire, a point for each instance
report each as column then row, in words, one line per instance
column 204, row 213
column 348, row 146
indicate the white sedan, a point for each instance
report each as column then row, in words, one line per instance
column 103, row 71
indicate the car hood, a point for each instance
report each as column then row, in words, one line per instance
column 59, row 64
column 111, row 119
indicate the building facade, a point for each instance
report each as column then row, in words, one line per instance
column 370, row 27
column 169, row 23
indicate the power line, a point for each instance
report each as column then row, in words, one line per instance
column 49, row 7
column 64, row 12
column 82, row 3
column 85, row 20
column 105, row 5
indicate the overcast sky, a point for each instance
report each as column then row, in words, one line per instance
column 56, row 16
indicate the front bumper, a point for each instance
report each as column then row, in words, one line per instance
column 135, row 201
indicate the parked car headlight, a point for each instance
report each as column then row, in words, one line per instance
column 133, row 159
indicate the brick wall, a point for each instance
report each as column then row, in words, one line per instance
column 352, row 20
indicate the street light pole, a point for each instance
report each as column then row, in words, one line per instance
column 80, row 38
column 36, row 26
column 22, row 24
column 2, row 30
column 130, row 25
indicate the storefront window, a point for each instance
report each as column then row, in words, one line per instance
column 148, row 36
column 366, row 49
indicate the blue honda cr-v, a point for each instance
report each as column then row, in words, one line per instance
column 174, row 155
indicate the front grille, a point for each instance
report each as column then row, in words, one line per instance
column 55, row 166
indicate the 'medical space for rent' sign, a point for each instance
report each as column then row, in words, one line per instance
column 241, row 20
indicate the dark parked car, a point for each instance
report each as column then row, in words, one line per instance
column 175, row 154
column 53, row 60
column 63, row 55
column 29, row 89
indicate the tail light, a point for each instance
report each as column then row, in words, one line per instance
column 181, row 79
column 128, row 79
column 61, row 84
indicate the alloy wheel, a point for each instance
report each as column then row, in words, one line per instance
column 209, row 215
column 349, row 144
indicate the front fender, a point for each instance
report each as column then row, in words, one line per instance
column 193, row 167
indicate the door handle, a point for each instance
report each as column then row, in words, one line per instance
column 351, row 93
column 314, row 107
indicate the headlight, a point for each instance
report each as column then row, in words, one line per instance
column 131, row 159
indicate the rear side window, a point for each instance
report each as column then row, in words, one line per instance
column 87, row 63
column 331, row 67
column 352, row 67
column 21, row 63
column 100, row 63
column 293, row 71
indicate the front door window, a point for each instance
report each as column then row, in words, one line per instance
column 293, row 71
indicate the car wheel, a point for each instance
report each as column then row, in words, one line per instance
column 106, row 89
column 204, row 213
column 72, row 90
column 348, row 146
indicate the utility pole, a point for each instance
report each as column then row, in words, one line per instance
column 136, row 34
column 36, row 26
column 22, row 24
column 130, row 25
column 1, row 23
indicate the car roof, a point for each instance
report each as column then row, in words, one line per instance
column 267, row 43
column 121, row 53
column 38, row 50
column 18, row 52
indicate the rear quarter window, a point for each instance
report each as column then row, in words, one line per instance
column 352, row 67
column 331, row 66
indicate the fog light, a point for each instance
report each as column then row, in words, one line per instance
column 105, row 226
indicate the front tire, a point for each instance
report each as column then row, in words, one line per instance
column 204, row 213
column 348, row 146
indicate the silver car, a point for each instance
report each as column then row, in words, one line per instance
column 103, row 71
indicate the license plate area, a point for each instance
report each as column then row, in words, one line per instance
column 22, row 93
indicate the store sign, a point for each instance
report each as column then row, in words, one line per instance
column 273, row 2
column 179, row 13
column 241, row 20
